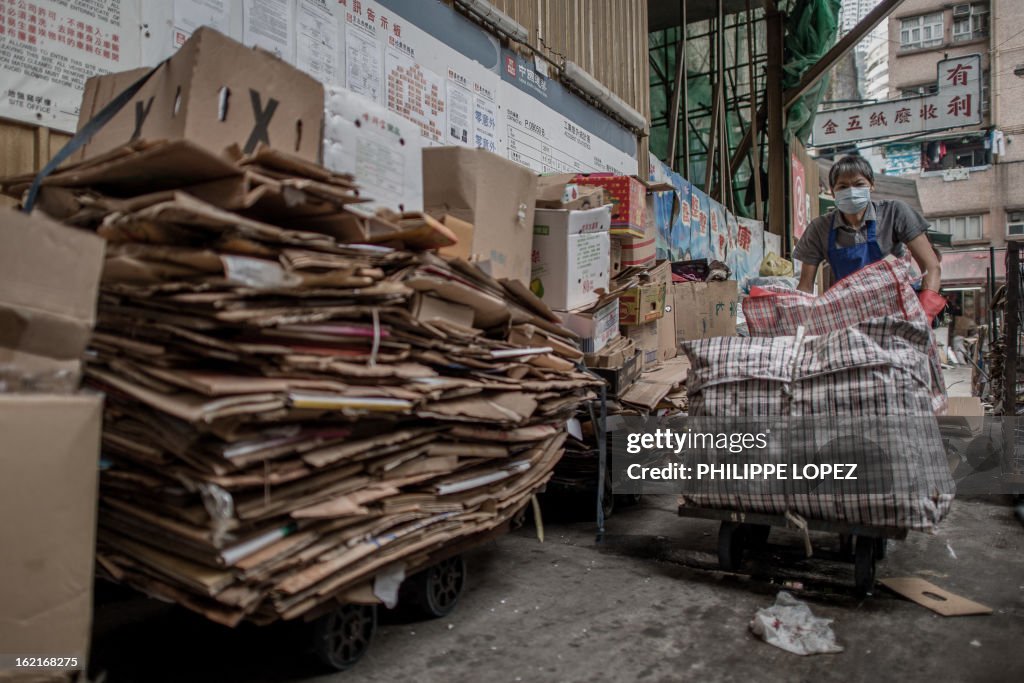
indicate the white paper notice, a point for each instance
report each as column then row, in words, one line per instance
column 49, row 49
column 268, row 24
column 317, row 49
column 363, row 63
column 415, row 93
column 485, row 135
column 191, row 14
column 460, row 110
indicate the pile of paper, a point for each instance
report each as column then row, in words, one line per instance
column 291, row 409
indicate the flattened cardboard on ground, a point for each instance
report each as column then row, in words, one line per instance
column 49, row 278
column 49, row 462
column 215, row 92
column 934, row 598
column 496, row 196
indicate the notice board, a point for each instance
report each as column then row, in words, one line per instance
column 419, row 58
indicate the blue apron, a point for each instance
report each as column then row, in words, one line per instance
column 847, row 260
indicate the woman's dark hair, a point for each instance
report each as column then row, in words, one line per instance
column 849, row 164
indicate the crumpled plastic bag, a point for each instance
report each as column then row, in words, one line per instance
column 773, row 265
column 790, row 625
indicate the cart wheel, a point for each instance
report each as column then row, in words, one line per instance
column 881, row 548
column 731, row 539
column 757, row 534
column 434, row 592
column 342, row 637
column 864, row 565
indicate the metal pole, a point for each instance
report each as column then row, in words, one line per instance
column 678, row 90
column 686, row 95
column 776, row 133
column 723, row 114
column 1011, row 325
column 756, row 146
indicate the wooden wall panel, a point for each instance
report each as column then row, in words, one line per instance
column 608, row 38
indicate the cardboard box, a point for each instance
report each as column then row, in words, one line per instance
column 646, row 302
column 704, row 309
column 494, row 195
column 963, row 326
column 614, row 355
column 49, row 278
column 560, row 191
column 646, row 339
column 627, row 196
column 643, row 304
column 215, row 92
column 633, row 214
column 596, row 327
column 49, row 463
column 571, row 257
column 667, row 345
column 384, row 150
column 621, row 378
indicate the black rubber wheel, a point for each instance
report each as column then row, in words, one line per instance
column 342, row 637
column 864, row 565
column 881, row 548
column 757, row 535
column 731, row 542
column 434, row 592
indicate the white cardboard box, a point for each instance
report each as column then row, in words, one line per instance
column 571, row 256
column 596, row 328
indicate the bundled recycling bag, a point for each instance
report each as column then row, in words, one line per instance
column 879, row 290
column 858, row 398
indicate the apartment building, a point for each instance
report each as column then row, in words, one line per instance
column 970, row 180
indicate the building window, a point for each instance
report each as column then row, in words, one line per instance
column 962, row 228
column 917, row 91
column 921, row 31
column 961, row 152
column 1015, row 223
column 970, row 21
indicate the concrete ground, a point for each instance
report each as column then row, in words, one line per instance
column 646, row 604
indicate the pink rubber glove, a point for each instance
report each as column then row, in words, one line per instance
column 932, row 302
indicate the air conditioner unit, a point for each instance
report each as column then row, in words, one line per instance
column 963, row 10
column 1015, row 229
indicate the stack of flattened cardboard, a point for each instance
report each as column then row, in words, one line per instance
column 293, row 406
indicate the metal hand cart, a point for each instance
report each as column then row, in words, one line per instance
column 742, row 531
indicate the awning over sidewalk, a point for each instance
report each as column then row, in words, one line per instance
column 969, row 266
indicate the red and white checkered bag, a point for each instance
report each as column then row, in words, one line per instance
column 882, row 289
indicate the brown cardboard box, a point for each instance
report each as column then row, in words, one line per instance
column 643, row 304
column 215, row 92
column 704, row 309
column 597, row 326
column 49, row 461
column 558, row 191
column 646, row 302
column 646, row 339
column 49, row 277
column 496, row 196
column 49, row 448
column 667, row 345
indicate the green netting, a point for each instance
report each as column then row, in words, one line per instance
column 810, row 32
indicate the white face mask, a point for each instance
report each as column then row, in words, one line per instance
column 853, row 199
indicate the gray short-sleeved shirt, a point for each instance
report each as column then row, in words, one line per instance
column 895, row 225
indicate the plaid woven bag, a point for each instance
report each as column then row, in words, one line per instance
column 882, row 289
column 858, row 394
